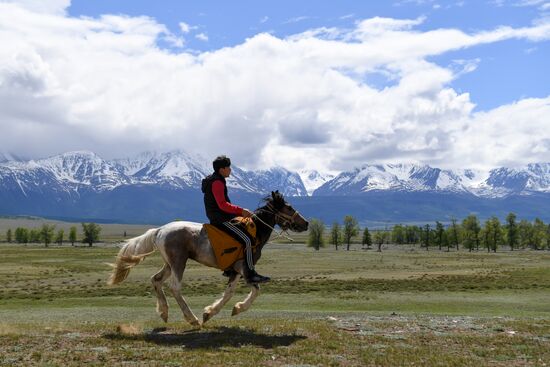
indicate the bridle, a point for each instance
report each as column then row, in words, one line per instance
column 287, row 220
column 285, row 223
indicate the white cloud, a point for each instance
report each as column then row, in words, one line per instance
column 347, row 16
column 202, row 37
column 511, row 135
column 105, row 85
column 529, row 2
column 541, row 4
column 184, row 27
column 42, row 6
column 296, row 19
column 465, row 66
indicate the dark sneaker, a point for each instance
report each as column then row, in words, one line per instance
column 255, row 278
column 229, row 273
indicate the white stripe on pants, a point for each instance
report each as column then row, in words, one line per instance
column 246, row 240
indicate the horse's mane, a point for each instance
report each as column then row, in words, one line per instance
column 276, row 199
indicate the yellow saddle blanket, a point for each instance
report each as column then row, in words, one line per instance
column 227, row 249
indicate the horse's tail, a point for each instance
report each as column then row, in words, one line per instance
column 131, row 254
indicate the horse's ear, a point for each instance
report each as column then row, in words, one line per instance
column 273, row 194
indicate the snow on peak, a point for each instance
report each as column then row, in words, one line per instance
column 83, row 168
column 408, row 177
column 77, row 170
column 313, row 179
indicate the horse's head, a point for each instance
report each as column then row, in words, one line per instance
column 285, row 215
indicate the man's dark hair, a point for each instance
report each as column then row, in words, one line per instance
column 221, row 162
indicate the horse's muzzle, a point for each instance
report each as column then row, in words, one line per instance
column 299, row 227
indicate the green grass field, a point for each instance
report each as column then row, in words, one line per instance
column 326, row 308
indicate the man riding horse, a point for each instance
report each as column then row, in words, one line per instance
column 180, row 241
column 220, row 212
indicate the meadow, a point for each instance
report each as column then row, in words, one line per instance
column 403, row 306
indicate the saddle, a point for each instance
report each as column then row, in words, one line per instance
column 227, row 249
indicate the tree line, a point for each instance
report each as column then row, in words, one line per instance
column 47, row 234
column 470, row 234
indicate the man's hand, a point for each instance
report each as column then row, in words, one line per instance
column 247, row 213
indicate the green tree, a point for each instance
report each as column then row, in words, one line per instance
column 91, row 233
column 72, row 235
column 315, row 236
column 427, row 235
column 512, row 235
column 350, row 229
column 484, row 236
column 21, row 235
column 59, row 237
column 335, row 235
column 455, row 233
column 548, row 237
column 380, row 237
column 493, row 234
column 539, row 234
column 413, row 234
column 470, row 232
column 498, row 234
column 439, row 234
column 398, row 234
column 34, row 236
column 526, row 234
column 446, row 240
column 46, row 233
column 8, row 236
column 367, row 239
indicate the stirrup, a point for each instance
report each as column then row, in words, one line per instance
column 257, row 278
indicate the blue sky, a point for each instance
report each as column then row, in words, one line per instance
column 304, row 85
column 507, row 71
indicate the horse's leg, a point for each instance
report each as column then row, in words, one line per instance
column 175, row 286
column 214, row 308
column 157, row 280
column 245, row 305
column 254, row 292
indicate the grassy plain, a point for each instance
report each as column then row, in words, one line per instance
column 325, row 308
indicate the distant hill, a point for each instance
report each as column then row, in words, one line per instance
column 159, row 187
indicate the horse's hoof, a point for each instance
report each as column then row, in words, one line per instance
column 205, row 317
column 196, row 323
column 164, row 316
column 235, row 311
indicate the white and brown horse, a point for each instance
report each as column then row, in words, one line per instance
column 180, row 241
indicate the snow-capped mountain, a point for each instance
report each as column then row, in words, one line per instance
column 288, row 183
column 83, row 169
column 160, row 187
column 177, row 168
column 74, row 172
column 77, row 171
column 500, row 182
column 533, row 178
column 313, row 179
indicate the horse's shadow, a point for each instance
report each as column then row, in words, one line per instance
column 212, row 338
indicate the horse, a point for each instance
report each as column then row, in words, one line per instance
column 180, row 241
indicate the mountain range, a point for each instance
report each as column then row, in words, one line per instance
column 158, row 187
column 500, row 182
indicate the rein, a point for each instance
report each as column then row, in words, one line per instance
column 287, row 219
